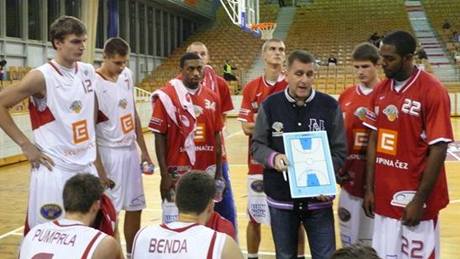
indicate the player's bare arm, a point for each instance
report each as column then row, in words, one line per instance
column 140, row 139
column 248, row 127
column 160, row 147
column 414, row 210
column 33, row 84
column 231, row 249
column 368, row 202
column 218, row 148
column 108, row 248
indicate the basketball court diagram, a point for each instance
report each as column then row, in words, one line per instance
column 310, row 168
column 309, row 162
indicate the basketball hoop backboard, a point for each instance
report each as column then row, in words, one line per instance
column 242, row 13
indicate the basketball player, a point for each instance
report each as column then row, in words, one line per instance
column 187, row 125
column 117, row 131
column 410, row 126
column 355, row 226
column 71, row 236
column 62, row 112
column 254, row 93
column 219, row 86
column 187, row 238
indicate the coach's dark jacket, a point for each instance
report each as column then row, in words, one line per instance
column 279, row 113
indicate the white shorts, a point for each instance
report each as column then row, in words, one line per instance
column 257, row 200
column 355, row 226
column 45, row 193
column 123, row 167
column 391, row 239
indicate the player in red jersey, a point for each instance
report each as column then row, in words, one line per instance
column 406, row 182
column 254, row 93
column 219, row 86
column 355, row 226
column 187, row 125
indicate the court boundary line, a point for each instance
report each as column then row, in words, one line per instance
column 11, row 232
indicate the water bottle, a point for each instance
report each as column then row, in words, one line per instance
column 220, row 187
column 171, row 195
column 147, row 168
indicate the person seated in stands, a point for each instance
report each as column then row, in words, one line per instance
column 455, row 36
column 446, row 25
column 332, row 61
column 421, row 54
column 228, row 72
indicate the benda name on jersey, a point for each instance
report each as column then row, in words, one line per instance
column 167, row 246
column 389, row 162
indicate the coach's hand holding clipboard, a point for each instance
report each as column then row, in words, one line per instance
column 280, row 164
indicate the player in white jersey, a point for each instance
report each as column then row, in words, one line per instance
column 187, row 237
column 71, row 236
column 117, row 130
column 62, row 104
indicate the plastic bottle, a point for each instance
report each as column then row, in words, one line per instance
column 171, row 195
column 220, row 187
column 147, row 168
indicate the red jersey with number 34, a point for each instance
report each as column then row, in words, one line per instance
column 353, row 103
column 208, row 123
column 407, row 123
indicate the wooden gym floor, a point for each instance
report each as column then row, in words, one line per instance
column 14, row 180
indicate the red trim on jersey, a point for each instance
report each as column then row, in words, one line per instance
column 55, row 68
column 138, row 234
column 221, row 224
column 88, row 248
column 59, row 71
column 409, row 82
column 178, row 230
column 103, row 77
column 101, row 117
column 26, row 224
column 211, row 246
column 39, row 118
column 55, row 222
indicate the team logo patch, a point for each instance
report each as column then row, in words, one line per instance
column 391, row 112
column 76, row 106
column 316, row 125
column 127, row 123
column 85, row 72
column 80, row 132
column 197, row 110
column 278, row 127
column 257, row 186
column 255, row 105
column 344, row 214
column 51, row 211
column 360, row 113
column 123, row 103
